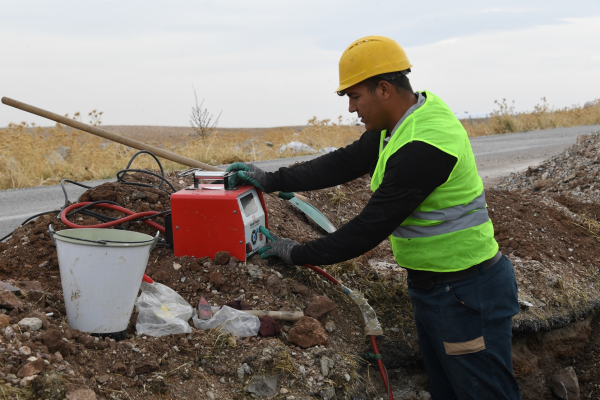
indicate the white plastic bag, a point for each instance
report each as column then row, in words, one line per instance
column 230, row 320
column 326, row 150
column 296, row 147
column 161, row 311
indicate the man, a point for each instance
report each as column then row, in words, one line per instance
column 428, row 198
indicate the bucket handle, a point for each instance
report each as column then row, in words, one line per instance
column 53, row 233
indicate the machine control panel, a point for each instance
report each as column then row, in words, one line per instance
column 253, row 217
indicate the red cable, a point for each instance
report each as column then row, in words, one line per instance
column 381, row 368
column 131, row 216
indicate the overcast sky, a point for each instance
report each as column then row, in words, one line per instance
column 274, row 63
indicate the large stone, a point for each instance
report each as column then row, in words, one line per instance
column 275, row 286
column 307, row 332
column 81, row 394
column 319, row 306
column 31, row 368
column 222, row 257
column 565, row 385
column 30, row 324
column 146, row 366
column 263, row 385
column 52, row 339
column 8, row 300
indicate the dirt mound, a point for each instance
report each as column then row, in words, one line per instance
column 573, row 172
column 181, row 364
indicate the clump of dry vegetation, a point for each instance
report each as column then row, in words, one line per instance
column 35, row 156
column 506, row 120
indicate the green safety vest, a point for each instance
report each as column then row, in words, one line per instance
column 450, row 230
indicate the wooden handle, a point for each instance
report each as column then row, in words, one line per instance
column 280, row 315
column 108, row 135
column 296, row 195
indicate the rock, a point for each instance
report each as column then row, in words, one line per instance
column 347, row 377
column 58, row 357
column 263, row 385
column 324, row 366
column 137, row 195
column 146, row 366
column 119, row 368
column 9, row 332
column 565, row 385
column 254, row 271
column 247, row 369
column 219, row 369
column 275, row 286
column 424, row 396
column 102, row 379
column 299, row 288
column 233, row 262
column 30, row 324
column 8, row 300
column 4, row 320
column 307, row 332
column 217, row 279
column 211, row 395
column 240, row 373
column 330, row 326
column 540, row 184
column 222, row 257
column 81, row 394
column 27, row 380
column 176, row 266
column 319, row 306
column 327, row 393
column 31, row 368
column 26, row 351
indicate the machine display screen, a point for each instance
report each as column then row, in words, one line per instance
column 249, row 205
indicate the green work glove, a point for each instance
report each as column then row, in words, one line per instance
column 247, row 174
column 280, row 247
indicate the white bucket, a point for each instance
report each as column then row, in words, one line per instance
column 101, row 272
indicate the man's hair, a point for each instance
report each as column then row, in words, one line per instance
column 399, row 80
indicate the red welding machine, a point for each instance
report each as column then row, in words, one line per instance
column 208, row 218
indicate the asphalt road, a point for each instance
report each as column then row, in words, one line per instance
column 496, row 156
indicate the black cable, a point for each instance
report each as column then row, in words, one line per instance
column 122, row 173
column 162, row 172
column 29, row 219
column 120, row 178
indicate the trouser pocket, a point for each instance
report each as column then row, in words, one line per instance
column 462, row 328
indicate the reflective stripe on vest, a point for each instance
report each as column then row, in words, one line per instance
column 454, row 219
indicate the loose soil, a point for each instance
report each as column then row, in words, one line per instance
column 549, row 235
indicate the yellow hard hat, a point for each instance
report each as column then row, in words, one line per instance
column 370, row 56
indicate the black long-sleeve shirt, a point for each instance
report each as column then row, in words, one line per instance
column 412, row 173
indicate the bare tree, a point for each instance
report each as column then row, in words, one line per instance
column 202, row 120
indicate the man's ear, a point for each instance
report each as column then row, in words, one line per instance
column 385, row 89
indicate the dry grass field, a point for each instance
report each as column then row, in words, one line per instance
column 33, row 156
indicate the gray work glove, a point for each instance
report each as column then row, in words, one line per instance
column 281, row 248
column 248, row 173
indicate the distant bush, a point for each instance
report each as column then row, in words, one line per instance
column 506, row 120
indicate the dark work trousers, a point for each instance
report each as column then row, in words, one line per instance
column 465, row 332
